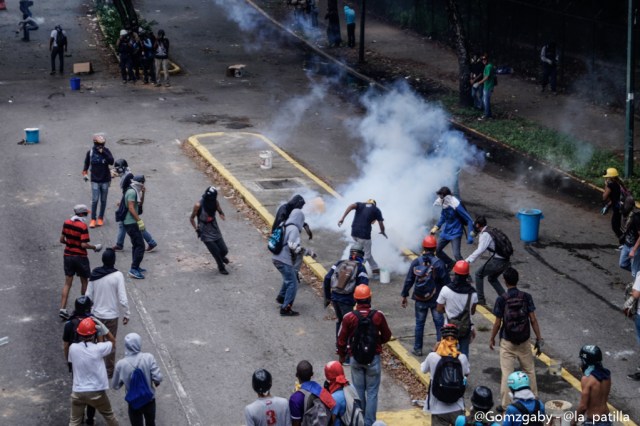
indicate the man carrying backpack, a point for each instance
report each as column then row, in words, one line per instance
column 427, row 275
column 140, row 374
column 448, row 368
column 98, row 160
column 496, row 242
column 341, row 281
column 361, row 336
column 348, row 409
column 57, row 47
column 311, row 403
column 525, row 405
column 453, row 219
column 266, row 410
column 458, row 301
column 515, row 317
column 133, row 224
column 283, row 212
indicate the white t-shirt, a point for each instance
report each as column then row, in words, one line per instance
column 432, row 404
column 269, row 411
column 108, row 294
column 636, row 287
column 89, row 371
column 54, row 34
column 453, row 302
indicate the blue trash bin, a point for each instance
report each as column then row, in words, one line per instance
column 529, row 224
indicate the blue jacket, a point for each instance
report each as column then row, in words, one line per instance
column 452, row 219
column 349, row 15
column 512, row 413
column 439, row 275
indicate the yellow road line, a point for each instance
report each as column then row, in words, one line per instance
column 320, row 271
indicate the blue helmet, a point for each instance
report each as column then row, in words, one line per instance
column 518, row 380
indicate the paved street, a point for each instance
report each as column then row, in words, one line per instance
column 208, row 331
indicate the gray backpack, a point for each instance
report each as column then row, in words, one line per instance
column 353, row 415
column 343, row 280
column 315, row 412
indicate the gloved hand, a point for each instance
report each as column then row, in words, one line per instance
column 311, row 253
column 98, row 248
column 84, row 176
column 604, row 210
column 434, row 230
column 310, row 234
column 198, row 233
column 476, row 85
column 470, row 239
column 538, row 346
column 100, row 327
column 141, row 225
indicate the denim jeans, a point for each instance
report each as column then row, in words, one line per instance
column 289, row 283
column 629, row 263
column 422, row 311
column 476, row 94
column 455, row 247
column 121, row 233
column 99, row 192
column 341, row 309
column 637, row 321
column 366, row 380
column 486, row 101
column 145, row 416
column 137, row 251
column 492, row 269
column 463, row 345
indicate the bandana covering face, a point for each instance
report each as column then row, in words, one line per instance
column 137, row 186
column 338, row 383
column 448, row 346
column 210, row 200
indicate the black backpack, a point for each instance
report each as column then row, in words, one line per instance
column 501, row 242
column 523, row 410
column 516, row 323
column 61, row 39
column 123, row 208
column 447, row 383
column 316, row 413
column 365, row 339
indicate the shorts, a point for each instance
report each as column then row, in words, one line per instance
column 77, row 265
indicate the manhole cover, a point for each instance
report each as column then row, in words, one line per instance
column 278, row 184
column 134, row 141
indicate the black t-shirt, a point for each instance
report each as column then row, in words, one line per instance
column 365, row 215
column 631, row 233
column 614, row 195
column 69, row 334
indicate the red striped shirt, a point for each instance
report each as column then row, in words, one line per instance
column 75, row 233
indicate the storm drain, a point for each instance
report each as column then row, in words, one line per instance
column 278, row 184
column 134, row 141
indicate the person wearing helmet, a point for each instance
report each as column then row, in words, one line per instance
column 98, row 159
column 482, row 403
column 525, row 407
column 446, row 353
column 348, row 409
column 283, row 212
column 612, row 197
column 341, row 280
column 365, row 377
column 207, row 228
column 133, row 224
column 451, row 226
column 75, row 237
column 427, row 275
column 161, row 55
column 497, row 262
column 146, row 362
column 458, row 300
column 125, row 49
column 267, row 409
column 90, row 382
column 514, row 318
column 288, row 262
column 366, row 214
column 596, row 385
column 300, row 400
column 122, row 170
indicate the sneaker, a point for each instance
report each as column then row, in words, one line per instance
column 117, row 248
column 633, row 376
column 225, row 260
column 135, row 274
column 224, row 272
column 288, row 312
column 64, row 314
column 142, row 270
column 152, row 247
column 92, row 224
column 417, row 352
column 157, row 85
column 100, row 221
column 280, row 300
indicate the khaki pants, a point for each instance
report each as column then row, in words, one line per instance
column 99, row 400
column 509, row 353
column 110, row 360
column 445, row 419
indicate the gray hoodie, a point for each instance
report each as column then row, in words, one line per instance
column 134, row 358
column 292, row 245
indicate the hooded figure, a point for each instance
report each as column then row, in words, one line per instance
column 146, row 362
column 283, row 212
column 207, row 227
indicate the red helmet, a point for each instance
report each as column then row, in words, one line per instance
column 461, row 267
column 332, row 370
column 362, row 292
column 429, row 242
column 87, row 327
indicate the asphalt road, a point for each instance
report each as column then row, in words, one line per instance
column 208, row 331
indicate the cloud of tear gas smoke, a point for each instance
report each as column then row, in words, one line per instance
column 408, row 153
column 293, row 111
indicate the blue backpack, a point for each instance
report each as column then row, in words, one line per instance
column 138, row 394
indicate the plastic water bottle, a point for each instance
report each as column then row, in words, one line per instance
column 4, row 340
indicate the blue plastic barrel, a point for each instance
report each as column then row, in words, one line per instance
column 75, row 83
column 529, row 224
column 32, row 135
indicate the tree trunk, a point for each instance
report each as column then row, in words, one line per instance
column 464, row 85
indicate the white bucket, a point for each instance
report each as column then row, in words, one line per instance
column 385, row 276
column 555, row 368
column 266, row 159
column 556, row 409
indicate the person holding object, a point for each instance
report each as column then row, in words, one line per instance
column 207, row 228
column 612, row 197
column 98, row 160
column 134, row 225
column 451, row 226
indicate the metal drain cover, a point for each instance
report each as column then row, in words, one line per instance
column 278, row 184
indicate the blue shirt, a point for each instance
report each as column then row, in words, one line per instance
column 451, row 222
column 365, row 215
column 349, row 15
column 341, row 406
column 510, row 418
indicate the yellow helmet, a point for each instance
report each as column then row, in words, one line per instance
column 611, row 173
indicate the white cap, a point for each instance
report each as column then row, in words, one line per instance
column 124, row 32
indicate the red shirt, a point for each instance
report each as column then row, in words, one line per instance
column 350, row 324
column 75, row 233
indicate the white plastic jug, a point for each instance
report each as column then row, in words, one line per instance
column 385, row 276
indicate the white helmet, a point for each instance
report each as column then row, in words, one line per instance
column 123, row 32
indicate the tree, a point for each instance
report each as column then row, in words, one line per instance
column 464, row 68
